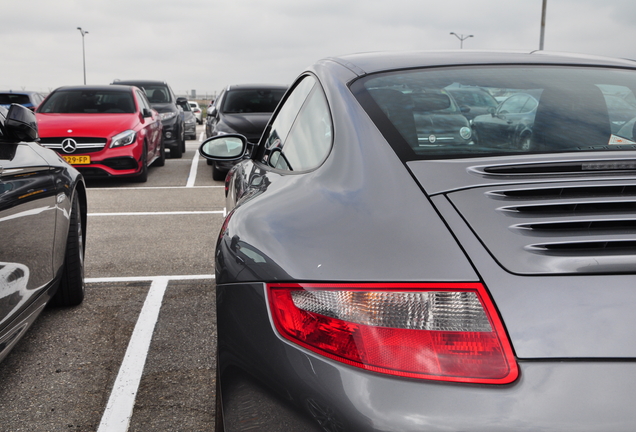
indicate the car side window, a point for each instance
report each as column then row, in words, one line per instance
column 141, row 97
column 513, row 105
column 300, row 136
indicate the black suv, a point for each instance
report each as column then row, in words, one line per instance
column 243, row 109
column 163, row 100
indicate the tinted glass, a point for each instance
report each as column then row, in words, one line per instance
column 9, row 98
column 309, row 140
column 555, row 109
column 251, row 101
column 289, row 111
column 88, row 102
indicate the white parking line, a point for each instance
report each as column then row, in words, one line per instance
column 193, row 170
column 222, row 212
column 154, row 187
column 121, row 402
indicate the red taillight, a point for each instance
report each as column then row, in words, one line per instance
column 447, row 332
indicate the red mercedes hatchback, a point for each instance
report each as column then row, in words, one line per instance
column 103, row 131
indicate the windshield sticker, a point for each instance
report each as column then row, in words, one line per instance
column 616, row 140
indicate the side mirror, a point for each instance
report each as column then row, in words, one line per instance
column 229, row 147
column 146, row 113
column 492, row 110
column 181, row 101
column 212, row 112
column 21, row 123
column 464, row 109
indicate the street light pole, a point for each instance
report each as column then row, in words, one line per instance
column 83, row 52
column 462, row 38
column 545, row 3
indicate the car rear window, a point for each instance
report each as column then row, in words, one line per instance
column 251, row 101
column 491, row 110
column 88, row 102
column 9, row 98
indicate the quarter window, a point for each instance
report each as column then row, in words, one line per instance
column 300, row 136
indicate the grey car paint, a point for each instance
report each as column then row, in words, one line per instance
column 363, row 215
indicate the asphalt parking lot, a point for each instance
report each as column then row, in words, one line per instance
column 138, row 354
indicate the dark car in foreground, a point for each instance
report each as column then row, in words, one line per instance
column 43, row 226
column 104, row 131
column 243, row 109
column 164, row 101
column 29, row 99
column 367, row 283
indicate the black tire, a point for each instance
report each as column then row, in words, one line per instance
column 71, row 289
column 142, row 177
column 161, row 160
column 217, row 174
column 176, row 152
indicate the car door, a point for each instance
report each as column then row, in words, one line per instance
column 27, row 222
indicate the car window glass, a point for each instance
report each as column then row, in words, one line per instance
column 89, row 102
column 309, row 139
column 143, row 101
column 286, row 116
column 252, row 101
column 513, row 105
column 542, row 109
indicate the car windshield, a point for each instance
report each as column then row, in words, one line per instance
column 252, row 101
column 541, row 109
column 88, row 102
column 156, row 93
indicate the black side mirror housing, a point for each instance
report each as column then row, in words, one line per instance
column 146, row 113
column 21, row 124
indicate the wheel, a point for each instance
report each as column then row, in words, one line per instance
column 217, row 174
column 161, row 160
column 142, row 177
column 71, row 289
column 176, row 152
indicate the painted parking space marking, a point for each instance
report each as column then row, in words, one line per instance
column 160, row 213
column 121, row 403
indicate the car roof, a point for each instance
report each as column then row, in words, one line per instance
column 256, row 87
column 97, row 87
column 372, row 62
column 139, row 82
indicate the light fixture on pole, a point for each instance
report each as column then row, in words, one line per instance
column 461, row 38
column 83, row 32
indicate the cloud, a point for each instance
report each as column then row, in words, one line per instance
column 207, row 44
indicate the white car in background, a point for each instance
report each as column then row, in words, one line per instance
column 196, row 110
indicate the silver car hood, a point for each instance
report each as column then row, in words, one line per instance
column 554, row 240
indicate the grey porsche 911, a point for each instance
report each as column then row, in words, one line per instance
column 369, row 282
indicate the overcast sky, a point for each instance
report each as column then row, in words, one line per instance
column 204, row 45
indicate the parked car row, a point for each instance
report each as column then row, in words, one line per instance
column 400, row 256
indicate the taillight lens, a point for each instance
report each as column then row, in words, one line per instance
column 447, row 332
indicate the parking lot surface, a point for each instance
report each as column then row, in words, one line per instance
column 138, row 354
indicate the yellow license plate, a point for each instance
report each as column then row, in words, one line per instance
column 77, row 160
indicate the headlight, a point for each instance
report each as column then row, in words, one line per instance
column 123, row 139
column 191, row 120
column 167, row 115
column 465, row 133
